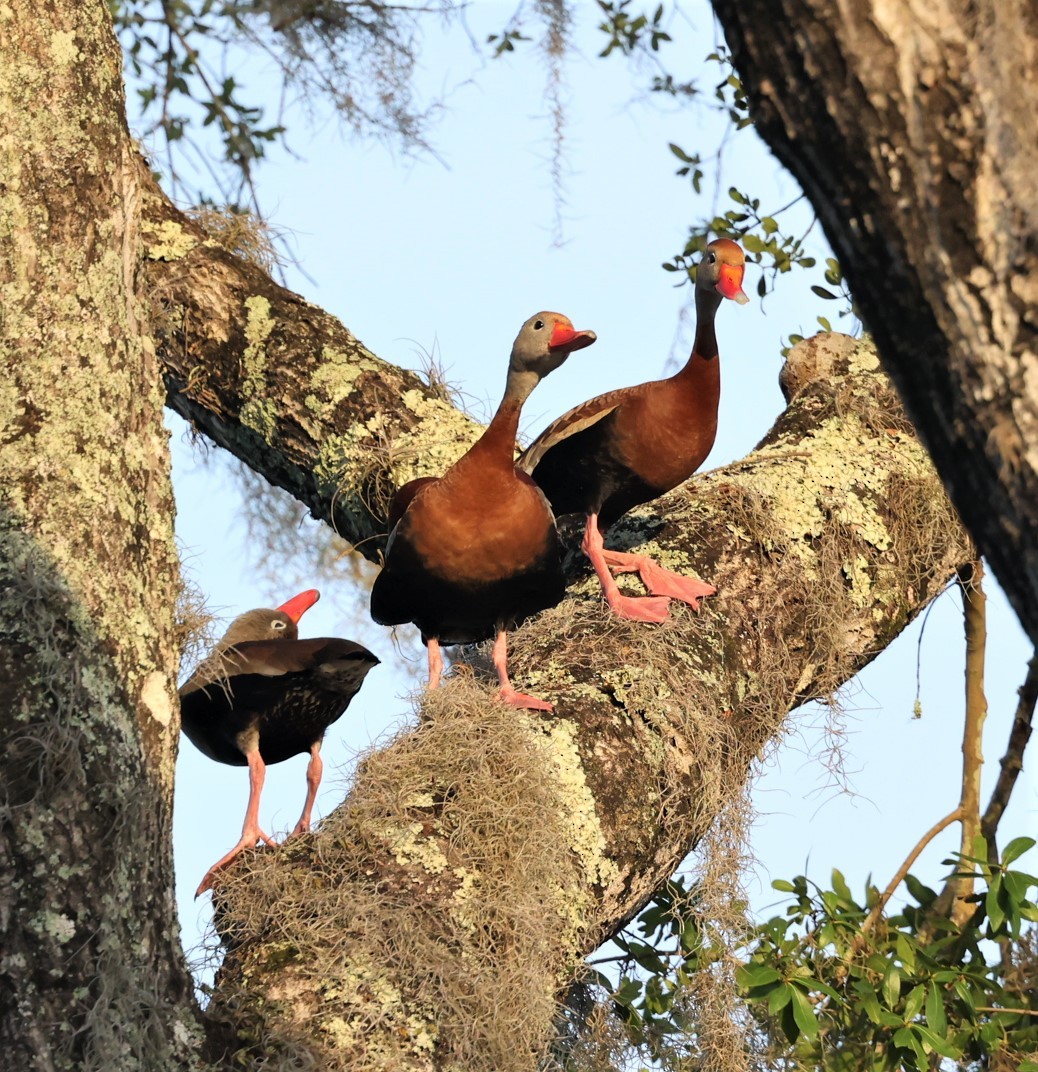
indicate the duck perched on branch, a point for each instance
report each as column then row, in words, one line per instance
column 475, row 551
column 263, row 695
column 629, row 446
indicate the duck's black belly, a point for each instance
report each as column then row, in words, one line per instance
column 290, row 713
column 459, row 611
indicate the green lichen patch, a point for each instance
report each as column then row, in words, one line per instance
column 335, row 378
column 258, row 411
column 166, row 240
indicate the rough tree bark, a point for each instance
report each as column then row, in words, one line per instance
column 433, row 919
column 911, row 128
column 90, row 969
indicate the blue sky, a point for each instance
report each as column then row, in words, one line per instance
column 450, row 256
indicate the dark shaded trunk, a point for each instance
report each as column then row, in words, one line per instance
column 911, row 128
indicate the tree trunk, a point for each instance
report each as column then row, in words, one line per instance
column 911, row 127
column 433, row 919
column 91, row 974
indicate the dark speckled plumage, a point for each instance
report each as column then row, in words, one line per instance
column 312, row 684
column 263, row 695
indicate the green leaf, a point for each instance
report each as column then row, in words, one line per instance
column 779, row 998
column 922, row 894
column 892, row 987
column 755, row 974
column 804, row 1014
column 841, row 887
column 1016, row 848
column 823, row 293
column 783, row 886
column 627, row 992
column 869, row 1000
column 933, row 1041
column 996, row 917
column 935, row 1017
column 914, row 1001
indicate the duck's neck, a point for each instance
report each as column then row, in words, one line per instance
column 497, row 444
column 702, row 365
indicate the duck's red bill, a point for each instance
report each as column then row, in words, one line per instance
column 564, row 338
column 730, row 283
column 298, row 605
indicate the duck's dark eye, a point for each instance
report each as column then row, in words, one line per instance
column 277, row 625
column 538, row 324
column 711, row 256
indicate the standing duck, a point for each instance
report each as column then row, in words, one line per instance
column 263, row 695
column 629, row 446
column 473, row 552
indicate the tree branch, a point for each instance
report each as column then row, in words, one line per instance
column 952, row 899
column 284, row 386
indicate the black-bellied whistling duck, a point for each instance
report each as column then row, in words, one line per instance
column 629, row 446
column 263, row 695
column 475, row 551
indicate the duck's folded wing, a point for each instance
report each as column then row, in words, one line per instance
column 571, row 422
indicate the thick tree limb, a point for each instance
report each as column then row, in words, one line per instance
column 91, row 974
column 910, row 127
column 284, row 386
column 478, row 858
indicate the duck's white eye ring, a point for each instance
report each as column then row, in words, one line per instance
column 538, row 325
column 711, row 257
column 277, row 624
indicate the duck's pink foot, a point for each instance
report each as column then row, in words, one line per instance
column 247, row 842
column 660, row 581
column 521, row 699
column 640, row 608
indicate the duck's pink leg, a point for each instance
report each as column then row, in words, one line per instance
column 659, row 581
column 250, row 831
column 507, row 693
column 435, row 663
column 638, row 608
column 314, row 770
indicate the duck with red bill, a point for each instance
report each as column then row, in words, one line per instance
column 263, row 695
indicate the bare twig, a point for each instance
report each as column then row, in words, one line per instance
column 1013, row 761
column 877, row 908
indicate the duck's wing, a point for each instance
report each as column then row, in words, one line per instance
column 571, row 422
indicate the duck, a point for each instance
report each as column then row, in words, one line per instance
column 262, row 695
column 474, row 552
column 629, row 446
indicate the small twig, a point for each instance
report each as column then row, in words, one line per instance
column 1013, row 761
column 877, row 909
column 1017, row 1012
